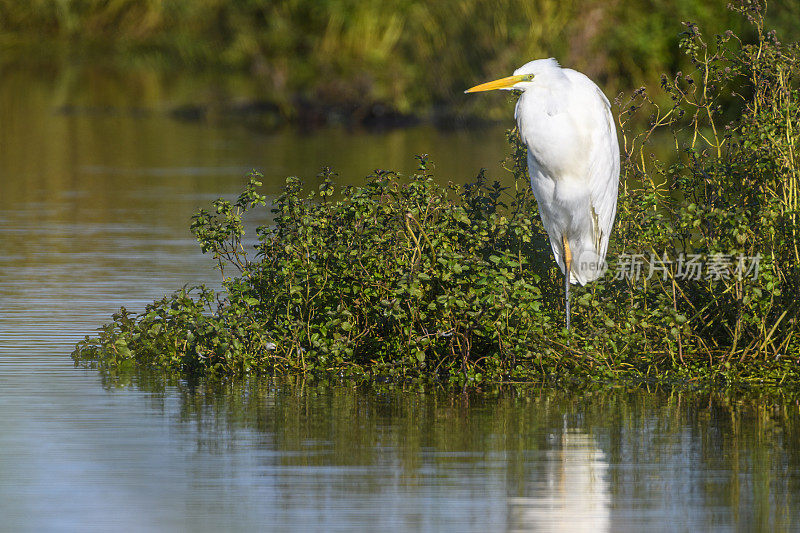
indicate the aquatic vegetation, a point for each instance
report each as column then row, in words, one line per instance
column 404, row 278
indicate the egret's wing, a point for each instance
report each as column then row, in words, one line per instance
column 599, row 170
column 603, row 173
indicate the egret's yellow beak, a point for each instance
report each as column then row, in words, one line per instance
column 502, row 83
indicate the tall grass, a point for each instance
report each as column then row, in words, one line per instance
column 410, row 54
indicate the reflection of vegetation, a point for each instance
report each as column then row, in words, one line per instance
column 401, row 280
column 728, row 452
column 405, row 53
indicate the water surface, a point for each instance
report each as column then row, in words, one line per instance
column 94, row 212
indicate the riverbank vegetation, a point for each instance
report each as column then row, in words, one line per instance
column 361, row 62
column 405, row 278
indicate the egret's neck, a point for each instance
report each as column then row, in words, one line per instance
column 546, row 100
column 546, row 93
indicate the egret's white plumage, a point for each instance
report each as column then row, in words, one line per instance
column 573, row 161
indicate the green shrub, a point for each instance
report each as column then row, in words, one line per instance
column 409, row 278
column 734, row 192
column 396, row 279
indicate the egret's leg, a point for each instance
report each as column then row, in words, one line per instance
column 568, row 267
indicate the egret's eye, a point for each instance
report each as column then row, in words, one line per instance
column 527, row 77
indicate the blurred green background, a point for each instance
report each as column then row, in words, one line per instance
column 410, row 56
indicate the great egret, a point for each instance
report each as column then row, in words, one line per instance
column 573, row 161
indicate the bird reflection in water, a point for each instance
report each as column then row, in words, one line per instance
column 571, row 495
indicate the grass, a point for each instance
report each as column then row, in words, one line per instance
column 411, row 56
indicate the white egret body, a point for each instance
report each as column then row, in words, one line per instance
column 573, row 161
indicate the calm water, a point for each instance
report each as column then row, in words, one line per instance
column 94, row 209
